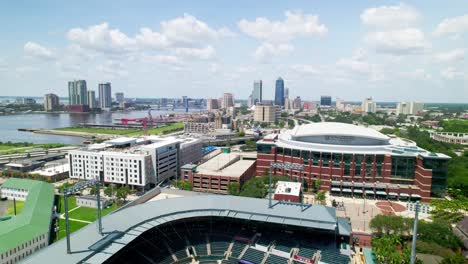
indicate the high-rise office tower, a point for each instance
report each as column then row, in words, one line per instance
column 340, row 105
column 77, row 93
column 119, row 97
column 92, row 99
column 51, row 102
column 279, row 92
column 228, row 100
column 286, row 93
column 257, row 92
column 325, row 100
column 105, row 95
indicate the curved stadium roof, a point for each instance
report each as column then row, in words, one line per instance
column 124, row 226
column 336, row 129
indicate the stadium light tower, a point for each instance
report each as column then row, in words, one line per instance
column 287, row 166
column 71, row 191
column 415, row 233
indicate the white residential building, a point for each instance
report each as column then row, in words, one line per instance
column 369, row 106
column 409, row 108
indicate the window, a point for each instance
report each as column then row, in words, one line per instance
column 337, row 159
column 326, row 158
column 287, row 152
column 315, row 158
column 264, row 148
column 403, row 167
column 296, row 153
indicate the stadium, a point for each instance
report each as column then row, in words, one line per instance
column 210, row 229
column 356, row 161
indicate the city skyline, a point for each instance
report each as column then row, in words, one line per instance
column 393, row 51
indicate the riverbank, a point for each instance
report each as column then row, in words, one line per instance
column 105, row 133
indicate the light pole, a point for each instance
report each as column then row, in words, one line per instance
column 71, row 191
column 279, row 165
column 415, row 233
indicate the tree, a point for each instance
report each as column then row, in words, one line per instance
column 241, row 134
column 122, row 193
column 316, row 185
column 233, row 188
column 109, row 191
column 93, row 190
column 321, row 197
column 454, row 259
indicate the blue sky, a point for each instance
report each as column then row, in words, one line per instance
column 390, row 50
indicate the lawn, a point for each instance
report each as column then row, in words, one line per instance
column 11, row 210
column 71, row 204
column 74, row 225
column 90, row 214
column 125, row 132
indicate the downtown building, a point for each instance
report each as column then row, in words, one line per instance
column 409, row 108
column 105, row 95
column 51, row 102
column 356, row 161
column 137, row 162
column 279, row 92
column 78, row 96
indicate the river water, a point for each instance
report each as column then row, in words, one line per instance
column 9, row 124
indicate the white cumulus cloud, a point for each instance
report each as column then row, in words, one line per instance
column 101, row 38
column 268, row 51
column 396, row 16
column 450, row 56
column 454, row 26
column 35, row 50
column 205, row 53
column 295, row 25
column 398, row 41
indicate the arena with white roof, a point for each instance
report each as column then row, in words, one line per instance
column 354, row 160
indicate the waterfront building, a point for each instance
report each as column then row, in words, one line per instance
column 279, row 92
column 77, row 92
column 216, row 174
column 29, row 231
column 409, row 108
column 369, row 106
column 119, row 97
column 105, row 95
column 138, row 162
column 267, row 113
column 92, row 99
column 356, row 161
column 51, row 102
column 325, row 100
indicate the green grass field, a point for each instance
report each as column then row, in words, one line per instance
column 11, row 209
column 71, row 204
column 125, row 132
column 90, row 214
column 81, row 213
column 74, row 226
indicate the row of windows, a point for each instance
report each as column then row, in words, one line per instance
column 23, row 246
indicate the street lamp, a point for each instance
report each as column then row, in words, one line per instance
column 287, row 166
column 71, row 191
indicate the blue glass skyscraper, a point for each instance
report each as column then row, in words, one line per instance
column 279, row 92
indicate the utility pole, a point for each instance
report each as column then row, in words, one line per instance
column 415, row 233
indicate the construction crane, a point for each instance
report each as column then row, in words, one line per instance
column 143, row 121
